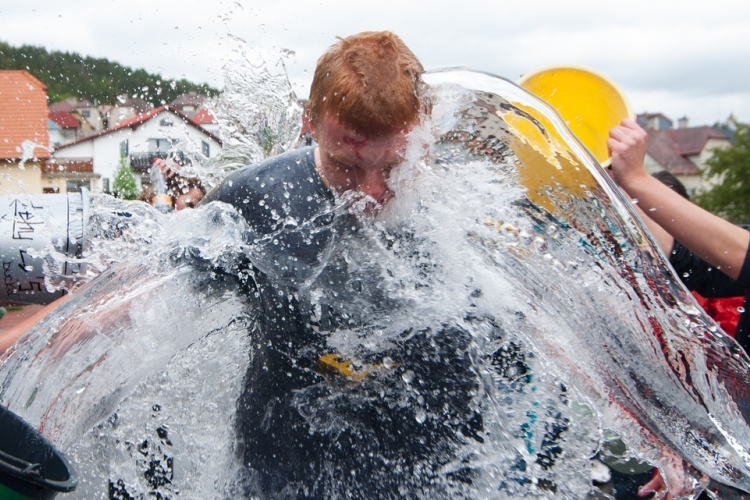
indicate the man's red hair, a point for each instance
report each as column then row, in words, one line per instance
column 369, row 83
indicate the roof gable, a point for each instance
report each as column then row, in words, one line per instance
column 203, row 117
column 692, row 140
column 137, row 121
column 64, row 120
column 670, row 148
column 23, row 101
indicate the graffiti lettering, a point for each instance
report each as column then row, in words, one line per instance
column 8, row 278
column 23, row 220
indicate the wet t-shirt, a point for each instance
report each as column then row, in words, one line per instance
column 288, row 208
column 710, row 282
column 304, row 430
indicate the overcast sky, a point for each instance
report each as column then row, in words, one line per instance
column 682, row 58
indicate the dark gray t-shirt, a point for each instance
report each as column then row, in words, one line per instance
column 288, row 208
column 301, row 433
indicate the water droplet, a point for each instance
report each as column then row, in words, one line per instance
column 420, row 417
column 408, row 376
column 740, row 309
column 387, row 363
column 524, row 238
column 540, row 244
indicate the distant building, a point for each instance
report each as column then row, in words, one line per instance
column 124, row 109
column 654, row 121
column 63, row 128
column 188, row 104
column 206, row 119
column 24, row 133
column 83, row 110
column 682, row 151
column 139, row 139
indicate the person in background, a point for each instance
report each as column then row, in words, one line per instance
column 718, row 294
column 708, row 252
column 185, row 192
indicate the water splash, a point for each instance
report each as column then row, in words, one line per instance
column 258, row 111
column 501, row 314
column 27, row 152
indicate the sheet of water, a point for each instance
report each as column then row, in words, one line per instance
column 566, row 321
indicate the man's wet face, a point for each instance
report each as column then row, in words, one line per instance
column 350, row 161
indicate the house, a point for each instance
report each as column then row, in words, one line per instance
column 83, row 110
column 24, row 134
column 206, row 119
column 682, row 151
column 124, row 109
column 189, row 103
column 139, row 140
column 63, row 128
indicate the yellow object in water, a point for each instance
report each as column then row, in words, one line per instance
column 589, row 103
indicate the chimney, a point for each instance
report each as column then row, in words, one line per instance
column 653, row 123
column 682, row 122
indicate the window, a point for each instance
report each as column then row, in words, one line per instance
column 105, row 185
column 159, row 145
column 166, row 122
column 75, row 186
column 86, row 113
column 205, row 149
column 50, row 190
column 124, row 148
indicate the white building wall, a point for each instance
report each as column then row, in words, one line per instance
column 105, row 149
column 708, row 152
column 107, row 157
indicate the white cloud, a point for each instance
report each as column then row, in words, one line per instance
column 681, row 57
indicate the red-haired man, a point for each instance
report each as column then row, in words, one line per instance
column 364, row 100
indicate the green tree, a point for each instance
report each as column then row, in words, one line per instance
column 731, row 197
column 69, row 74
column 125, row 186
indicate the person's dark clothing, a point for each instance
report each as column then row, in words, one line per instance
column 305, row 433
column 700, row 276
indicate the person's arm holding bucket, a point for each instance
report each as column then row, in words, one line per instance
column 717, row 241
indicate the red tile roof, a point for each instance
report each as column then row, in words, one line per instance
column 65, row 120
column 23, row 114
column 692, row 140
column 203, row 117
column 670, row 148
column 135, row 122
column 61, row 107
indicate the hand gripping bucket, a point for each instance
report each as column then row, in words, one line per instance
column 30, row 467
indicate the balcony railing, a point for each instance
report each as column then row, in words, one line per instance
column 141, row 162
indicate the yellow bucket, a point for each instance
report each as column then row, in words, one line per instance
column 589, row 103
